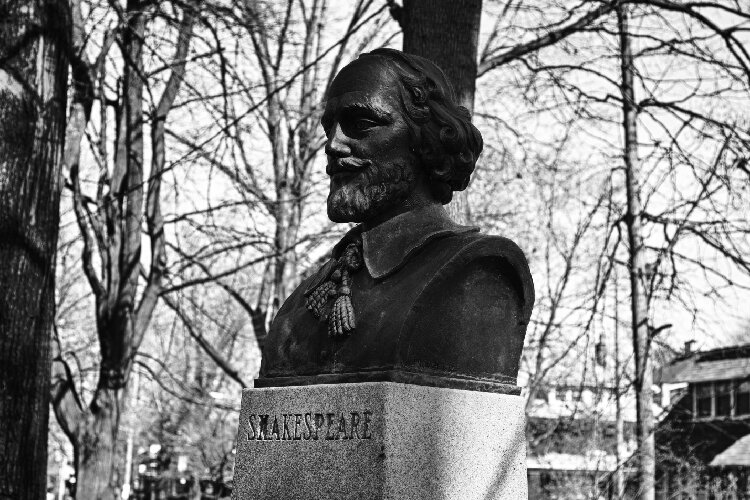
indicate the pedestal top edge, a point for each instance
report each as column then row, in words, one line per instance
column 393, row 376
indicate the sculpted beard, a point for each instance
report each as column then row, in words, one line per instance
column 361, row 189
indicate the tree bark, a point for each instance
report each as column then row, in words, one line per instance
column 447, row 33
column 33, row 75
column 636, row 268
column 96, row 443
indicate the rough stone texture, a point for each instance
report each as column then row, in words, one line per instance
column 426, row 443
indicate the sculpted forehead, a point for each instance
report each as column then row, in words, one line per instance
column 368, row 77
column 365, row 84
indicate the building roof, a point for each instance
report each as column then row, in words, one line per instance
column 717, row 370
column 717, row 364
column 738, row 454
column 674, row 372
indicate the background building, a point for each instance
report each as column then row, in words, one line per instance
column 703, row 441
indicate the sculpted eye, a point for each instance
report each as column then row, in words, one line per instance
column 362, row 124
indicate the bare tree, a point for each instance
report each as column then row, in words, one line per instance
column 110, row 223
column 637, row 269
column 678, row 74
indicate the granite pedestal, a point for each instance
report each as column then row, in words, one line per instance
column 380, row 440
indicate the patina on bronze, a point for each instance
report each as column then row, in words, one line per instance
column 408, row 295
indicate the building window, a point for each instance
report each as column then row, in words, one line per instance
column 727, row 398
column 723, row 394
column 703, row 399
column 742, row 398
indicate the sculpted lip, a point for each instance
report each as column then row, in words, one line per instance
column 346, row 166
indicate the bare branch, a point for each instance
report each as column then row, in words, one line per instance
column 65, row 401
column 154, row 219
column 220, row 361
column 550, row 38
column 88, row 243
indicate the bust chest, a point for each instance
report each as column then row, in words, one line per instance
column 299, row 344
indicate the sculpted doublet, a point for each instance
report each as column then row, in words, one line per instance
column 433, row 297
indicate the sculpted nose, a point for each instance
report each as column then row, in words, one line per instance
column 337, row 144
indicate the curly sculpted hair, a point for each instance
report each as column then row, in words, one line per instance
column 442, row 135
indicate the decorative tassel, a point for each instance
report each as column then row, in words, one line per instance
column 316, row 302
column 340, row 315
column 341, row 322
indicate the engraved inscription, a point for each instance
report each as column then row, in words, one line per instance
column 309, row 426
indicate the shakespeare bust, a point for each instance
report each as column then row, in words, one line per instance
column 407, row 294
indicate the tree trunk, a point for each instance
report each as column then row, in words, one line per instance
column 96, row 442
column 636, row 268
column 33, row 76
column 447, row 33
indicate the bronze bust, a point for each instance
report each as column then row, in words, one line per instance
column 408, row 295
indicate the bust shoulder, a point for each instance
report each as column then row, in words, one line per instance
column 476, row 254
column 471, row 315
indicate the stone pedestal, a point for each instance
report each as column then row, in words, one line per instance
column 380, row 440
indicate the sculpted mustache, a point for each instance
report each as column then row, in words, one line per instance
column 346, row 165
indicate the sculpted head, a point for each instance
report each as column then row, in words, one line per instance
column 396, row 138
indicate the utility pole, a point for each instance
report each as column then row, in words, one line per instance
column 636, row 268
